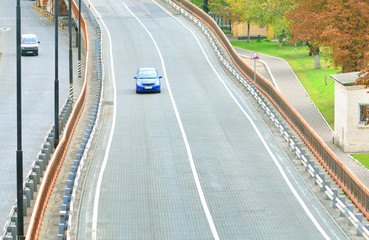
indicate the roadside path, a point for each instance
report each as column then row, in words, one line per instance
column 292, row 89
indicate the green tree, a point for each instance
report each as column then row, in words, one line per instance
column 203, row 4
column 242, row 11
column 263, row 13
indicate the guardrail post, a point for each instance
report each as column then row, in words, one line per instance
column 61, row 229
column 40, row 163
column 65, row 200
column 359, row 217
column 69, row 183
column 328, row 183
column 311, row 163
column 25, row 205
column 29, row 195
column 322, row 176
column 35, row 178
column 72, row 176
column 63, row 215
column 14, row 217
column 37, row 170
column 8, row 237
column 67, row 193
column 350, row 207
column 12, row 228
column 46, row 151
column 335, row 194
column 32, row 186
column 316, row 172
column 43, row 158
column 342, row 199
column 51, row 139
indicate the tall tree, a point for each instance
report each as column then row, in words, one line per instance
column 346, row 33
column 263, row 13
column 307, row 24
column 340, row 26
column 242, row 11
column 221, row 9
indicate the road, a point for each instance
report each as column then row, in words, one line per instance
column 193, row 162
column 37, row 92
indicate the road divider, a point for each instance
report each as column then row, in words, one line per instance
column 67, row 208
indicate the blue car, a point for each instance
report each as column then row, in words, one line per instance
column 147, row 80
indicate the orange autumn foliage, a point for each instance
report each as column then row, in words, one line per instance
column 339, row 26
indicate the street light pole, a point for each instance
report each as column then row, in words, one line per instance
column 79, row 39
column 56, row 82
column 70, row 52
column 20, row 223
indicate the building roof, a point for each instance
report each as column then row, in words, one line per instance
column 346, row 79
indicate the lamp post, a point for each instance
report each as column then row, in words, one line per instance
column 79, row 39
column 70, row 52
column 56, row 82
column 20, row 227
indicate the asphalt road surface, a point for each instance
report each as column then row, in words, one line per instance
column 37, row 92
column 195, row 161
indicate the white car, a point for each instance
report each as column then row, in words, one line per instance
column 29, row 44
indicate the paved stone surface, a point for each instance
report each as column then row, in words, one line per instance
column 37, row 93
column 295, row 93
column 148, row 191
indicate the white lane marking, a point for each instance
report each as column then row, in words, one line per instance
column 107, row 151
column 184, row 136
column 295, row 193
column 4, row 29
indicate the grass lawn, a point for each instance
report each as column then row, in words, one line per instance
column 362, row 158
column 303, row 66
column 312, row 80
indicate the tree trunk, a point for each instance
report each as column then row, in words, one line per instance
column 317, row 65
column 248, row 32
column 315, row 51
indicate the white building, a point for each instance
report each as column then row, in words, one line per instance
column 351, row 134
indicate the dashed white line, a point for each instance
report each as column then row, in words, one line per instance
column 184, row 136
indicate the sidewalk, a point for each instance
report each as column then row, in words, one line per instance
column 279, row 73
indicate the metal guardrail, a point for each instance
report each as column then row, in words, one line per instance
column 66, row 213
column 357, row 192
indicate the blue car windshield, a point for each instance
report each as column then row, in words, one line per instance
column 147, row 74
column 29, row 40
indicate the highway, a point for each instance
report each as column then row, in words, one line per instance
column 37, row 93
column 195, row 161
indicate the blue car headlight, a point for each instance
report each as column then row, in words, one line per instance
column 157, row 83
column 138, row 83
